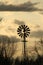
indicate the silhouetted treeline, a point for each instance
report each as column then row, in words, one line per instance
column 39, row 61
column 8, row 61
column 8, row 49
column 26, row 61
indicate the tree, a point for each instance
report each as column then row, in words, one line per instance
column 7, row 50
column 39, row 60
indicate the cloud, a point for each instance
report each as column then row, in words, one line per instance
column 27, row 6
column 1, row 19
column 37, row 34
column 37, row 26
column 6, row 39
column 41, row 13
column 11, row 29
column 19, row 22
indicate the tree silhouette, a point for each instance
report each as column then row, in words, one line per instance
column 39, row 60
column 7, row 50
column 24, row 32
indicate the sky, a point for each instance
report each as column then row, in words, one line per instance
column 33, row 19
column 11, row 20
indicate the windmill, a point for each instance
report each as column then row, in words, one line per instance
column 23, row 32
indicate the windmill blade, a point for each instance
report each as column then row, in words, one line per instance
column 18, row 33
column 28, row 32
column 18, row 30
column 24, row 26
column 28, row 29
column 20, row 27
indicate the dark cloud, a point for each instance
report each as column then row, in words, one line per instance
column 27, row 6
column 37, row 34
column 6, row 39
column 1, row 19
column 19, row 22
